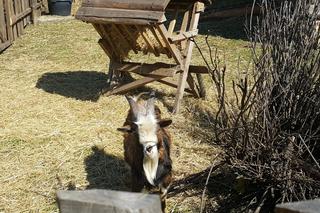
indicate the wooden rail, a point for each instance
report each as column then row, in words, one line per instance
column 309, row 206
column 107, row 201
column 15, row 15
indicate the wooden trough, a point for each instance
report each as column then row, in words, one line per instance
column 141, row 26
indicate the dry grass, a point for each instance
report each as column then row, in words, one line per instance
column 55, row 133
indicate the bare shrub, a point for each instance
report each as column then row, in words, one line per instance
column 271, row 125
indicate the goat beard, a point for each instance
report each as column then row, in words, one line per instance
column 150, row 166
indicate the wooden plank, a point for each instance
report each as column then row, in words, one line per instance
column 133, row 85
column 4, row 45
column 23, row 8
column 19, row 23
column 15, row 28
column 117, row 51
column 184, row 36
column 156, row 69
column 160, row 41
column 104, row 45
column 17, row 18
column 103, row 201
column 192, row 68
column 185, row 21
column 132, row 39
column 192, row 86
column 124, row 41
column 152, row 5
column 3, row 31
column 184, row 26
column 174, row 84
column 8, row 14
column 120, row 16
column 173, row 23
column 35, row 13
column 310, row 206
column 183, row 76
column 146, row 38
column 175, row 52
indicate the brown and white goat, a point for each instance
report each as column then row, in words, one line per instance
column 147, row 146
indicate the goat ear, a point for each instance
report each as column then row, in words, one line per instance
column 164, row 122
column 126, row 128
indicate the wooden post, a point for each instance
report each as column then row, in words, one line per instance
column 197, row 8
column 8, row 17
column 3, row 30
column 107, row 201
column 34, row 13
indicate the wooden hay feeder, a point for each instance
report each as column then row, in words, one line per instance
column 140, row 26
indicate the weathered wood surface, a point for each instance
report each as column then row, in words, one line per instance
column 187, row 60
column 152, row 5
column 159, row 69
column 140, row 26
column 107, row 201
column 310, row 206
column 112, row 15
column 15, row 15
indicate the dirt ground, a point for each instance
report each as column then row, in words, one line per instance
column 57, row 132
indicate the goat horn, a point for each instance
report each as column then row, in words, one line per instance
column 150, row 103
column 133, row 105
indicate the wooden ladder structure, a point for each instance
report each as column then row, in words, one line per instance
column 141, row 27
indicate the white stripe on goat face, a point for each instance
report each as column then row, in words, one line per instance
column 147, row 131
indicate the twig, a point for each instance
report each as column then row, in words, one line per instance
column 313, row 158
column 204, row 190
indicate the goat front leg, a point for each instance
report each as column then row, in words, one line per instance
column 164, row 187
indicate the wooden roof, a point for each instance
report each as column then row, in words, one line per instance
column 128, row 11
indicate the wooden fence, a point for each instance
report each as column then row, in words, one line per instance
column 15, row 15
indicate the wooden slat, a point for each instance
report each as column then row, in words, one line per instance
column 132, row 39
column 151, row 5
column 183, row 76
column 172, row 47
column 160, row 41
column 173, row 23
column 184, row 26
column 104, row 45
column 17, row 18
column 120, row 16
column 157, row 69
column 23, row 8
column 19, row 23
column 99, row 201
column 183, row 36
column 192, row 86
column 309, row 206
column 4, row 45
column 133, row 85
column 3, row 31
column 117, row 51
column 124, row 41
column 12, row 13
column 105, row 42
column 174, row 84
column 146, row 38
column 8, row 14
